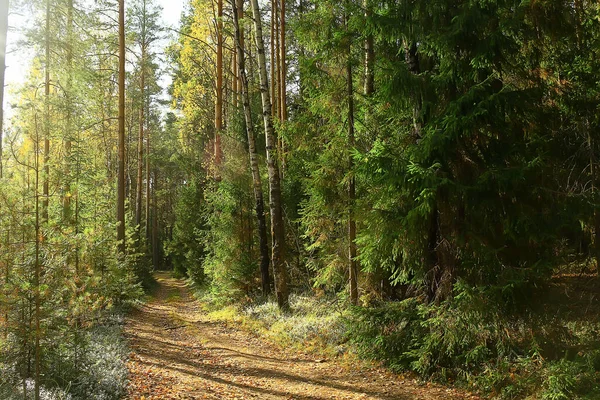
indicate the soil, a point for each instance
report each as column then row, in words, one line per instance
column 177, row 352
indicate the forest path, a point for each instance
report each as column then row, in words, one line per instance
column 177, row 352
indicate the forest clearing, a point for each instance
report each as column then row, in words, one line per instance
column 312, row 199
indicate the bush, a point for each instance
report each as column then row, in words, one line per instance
column 468, row 341
column 87, row 364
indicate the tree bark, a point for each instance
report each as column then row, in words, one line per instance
column 3, row 32
column 155, row 249
column 253, row 155
column 275, row 206
column 148, row 222
column 69, row 128
column 121, row 148
column 353, row 265
column 219, row 97
column 140, row 169
column 369, row 57
column 282, row 65
column 274, row 63
column 142, row 121
column 46, row 174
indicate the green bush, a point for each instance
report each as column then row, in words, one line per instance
column 467, row 341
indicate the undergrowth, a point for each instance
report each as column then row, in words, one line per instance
column 92, row 366
column 314, row 325
column 467, row 341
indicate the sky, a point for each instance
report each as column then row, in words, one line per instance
column 18, row 59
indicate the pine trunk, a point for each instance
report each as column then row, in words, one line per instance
column 3, row 33
column 46, row 174
column 140, row 169
column 282, row 65
column 68, row 124
column 219, row 97
column 121, row 148
column 353, row 266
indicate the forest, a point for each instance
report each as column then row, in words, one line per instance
column 412, row 185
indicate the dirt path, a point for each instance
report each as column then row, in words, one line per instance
column 178, row 353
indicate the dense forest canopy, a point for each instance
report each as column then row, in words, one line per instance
column 433, row 165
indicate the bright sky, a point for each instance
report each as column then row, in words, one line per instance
column 18, row 59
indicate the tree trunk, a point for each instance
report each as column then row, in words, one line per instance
column 155, row 249
column 274, row 62
column 256, row 180
column 140, row 169
column 282, row 65
column 148, row 221
column 3, row 33
column 121, row 172
column 219, row 102
column 353, row 266
column 369, row 57
column 46, row 174
column 38, row 267
column 69, row 128
column 275, row 206
column 282, row 84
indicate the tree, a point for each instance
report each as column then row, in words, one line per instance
column 219, row 94
column 275, row 206
column 121, row 133
column 353, row 265
column 253, row 154
column 3, row 32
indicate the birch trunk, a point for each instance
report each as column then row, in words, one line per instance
column 256, row 180
column 277, row 226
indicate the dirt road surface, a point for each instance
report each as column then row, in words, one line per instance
column 177, row 352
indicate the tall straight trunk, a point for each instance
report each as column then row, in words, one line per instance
column 595, row 215
column 253, row 155
column 273, row 63
column 275, row 98
column 155, row 250
column 121, row 149
column 240, row 15
column 219, row 97
column 277, row 226
column 68, row 117
column 369, row 57
column 282, row 64
column 46, row 174
column 353, row 265
column 7, row 261
column 140, row 164
column 3, row 33
column 234, row 78
column 148, row 222
column 37, row 267
column 282, row 84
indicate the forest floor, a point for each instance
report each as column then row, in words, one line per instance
column 178, row 352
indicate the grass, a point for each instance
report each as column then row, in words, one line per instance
column 312, row 325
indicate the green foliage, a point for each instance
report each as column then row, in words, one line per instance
column 231, row 262
column 472, row 342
